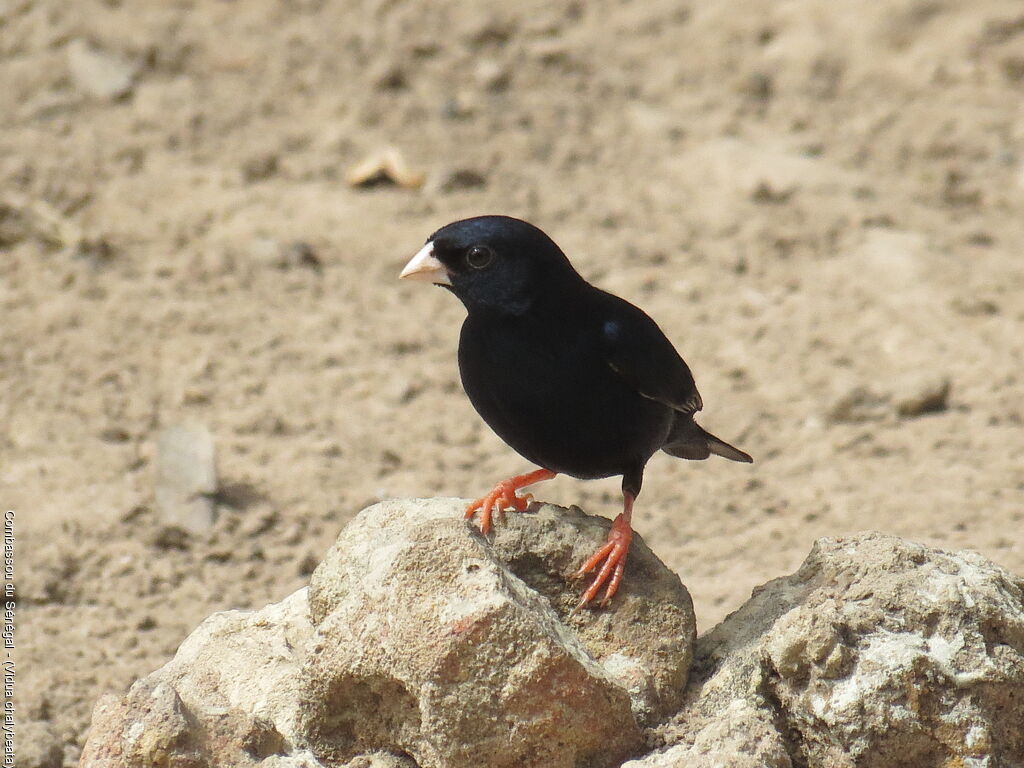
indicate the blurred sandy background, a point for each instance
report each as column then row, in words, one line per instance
column 820, row 201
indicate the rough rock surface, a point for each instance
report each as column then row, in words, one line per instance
column 475, row 650
column 420, row 642
column 420, row 637
column 230, row 696
column 877, row 652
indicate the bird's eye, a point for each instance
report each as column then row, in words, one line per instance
column 479, row 256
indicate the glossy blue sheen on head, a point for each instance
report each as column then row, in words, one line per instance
column 527, row 266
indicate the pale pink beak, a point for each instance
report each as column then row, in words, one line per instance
column 425, row 266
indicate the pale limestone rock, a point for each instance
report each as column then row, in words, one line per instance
column 421, row 638
column 228, row 697
column 421, row 643
column 470, row 653
column 877, row 652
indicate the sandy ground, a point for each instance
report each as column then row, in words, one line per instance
column 820, row 201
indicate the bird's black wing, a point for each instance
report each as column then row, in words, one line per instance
column 635, row 348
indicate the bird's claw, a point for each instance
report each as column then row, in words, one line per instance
column 503, row 497
column 612, row 559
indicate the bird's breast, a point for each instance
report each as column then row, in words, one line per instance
column 547, row 391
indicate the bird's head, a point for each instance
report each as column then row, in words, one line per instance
column 493, row 263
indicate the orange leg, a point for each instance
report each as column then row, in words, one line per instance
column 504, row 497
column 611, row 557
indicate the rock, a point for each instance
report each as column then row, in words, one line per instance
column 420, row 637
column 741, row 737
column 876, row 652
column 645, row 642
column 421, row 643
column 922, row 396
column 465, row 653
column 37, row 745
column 186, row 478
column 230, row 696
column 100, row 74
column 381, row 760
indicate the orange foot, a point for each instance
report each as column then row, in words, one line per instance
column 613, row 554
column 504, row 497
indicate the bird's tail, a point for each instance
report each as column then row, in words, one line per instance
column 688, row 440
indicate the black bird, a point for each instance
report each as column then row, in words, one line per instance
column 575, row 380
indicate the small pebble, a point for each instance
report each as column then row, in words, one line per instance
column 100, row 74
column 186, row 478
column 925, row 396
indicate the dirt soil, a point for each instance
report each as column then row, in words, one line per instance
column 820, row 201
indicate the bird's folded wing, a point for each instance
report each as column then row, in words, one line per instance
column 636, row 349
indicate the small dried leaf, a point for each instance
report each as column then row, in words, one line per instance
column 385, row 166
